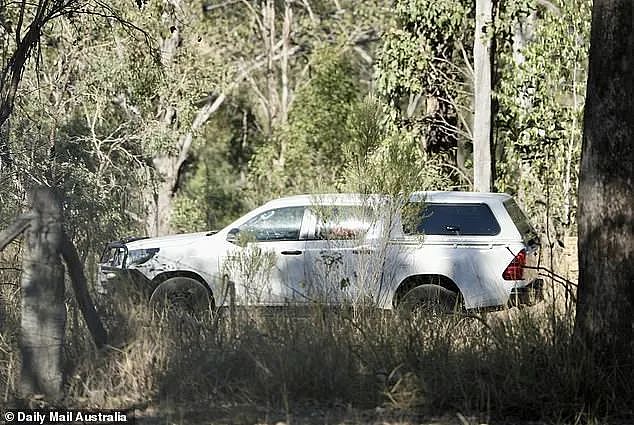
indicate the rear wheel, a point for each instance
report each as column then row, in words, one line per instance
column 182, row 293
column 429, row 299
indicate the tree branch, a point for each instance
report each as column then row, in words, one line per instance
column 14, row 230
column 80, row 286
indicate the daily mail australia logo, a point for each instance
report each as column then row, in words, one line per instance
column 42, row 417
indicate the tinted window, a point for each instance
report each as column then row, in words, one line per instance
column 342, row 222
column 281, row 224
column 520, row 220
column 450, row 219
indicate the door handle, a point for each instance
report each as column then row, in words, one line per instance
column 363, row 251
column 291, row 252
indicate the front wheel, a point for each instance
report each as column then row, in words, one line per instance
column 429, row 299
column 182, row 293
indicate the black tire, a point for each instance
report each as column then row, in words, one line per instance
column 181, row 293
column 429, row 299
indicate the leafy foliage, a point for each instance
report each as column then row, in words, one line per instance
column 108, row 105
column 212, row 192
column 309, row 148
column 380, row 158
column 539, row 120
column 424, row 70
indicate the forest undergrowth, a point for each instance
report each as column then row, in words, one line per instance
column 505, row 367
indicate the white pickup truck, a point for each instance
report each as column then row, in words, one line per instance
column 441, row 248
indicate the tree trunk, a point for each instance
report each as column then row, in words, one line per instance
column 268, row 17
column 43, row 309
column 606, row 222
column 12, row 75
column 6, row 159
column 166, row 162
column 482, row 175
column 160, row 197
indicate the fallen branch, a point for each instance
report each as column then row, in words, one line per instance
column 80, row 286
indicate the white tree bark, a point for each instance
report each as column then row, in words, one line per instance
column 482, row 173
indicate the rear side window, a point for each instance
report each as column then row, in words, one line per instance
column 450, row 219
column 521, row 221
column 342, row 222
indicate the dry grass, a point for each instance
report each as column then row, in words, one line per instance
column 9, row 321
column 513, row 364
column 325, row 366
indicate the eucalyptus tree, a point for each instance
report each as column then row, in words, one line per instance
column 22, row 25
column 208, row 57
column 538, row 73
column 42, row 58
column 296, row 67
column 426, row 76
column 482, row 73
column 541, row 95
column 605, row 309
column 68, row 132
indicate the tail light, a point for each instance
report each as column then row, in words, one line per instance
column 515, row 270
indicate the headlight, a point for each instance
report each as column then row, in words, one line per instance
column 140, row 256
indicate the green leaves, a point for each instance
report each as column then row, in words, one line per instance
column 321, row 107
column 424, row 71
column 307, row 153
column 541, row 101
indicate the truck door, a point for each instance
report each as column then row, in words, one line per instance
column 267, row 262
column 336, row 254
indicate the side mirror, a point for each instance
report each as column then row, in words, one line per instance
column 232, row 236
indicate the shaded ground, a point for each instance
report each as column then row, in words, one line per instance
column 305, row 415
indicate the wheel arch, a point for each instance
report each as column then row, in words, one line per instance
column 413, row 281
column 181, row 273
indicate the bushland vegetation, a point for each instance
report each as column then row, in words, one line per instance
column 351, row 364
column 171, row 116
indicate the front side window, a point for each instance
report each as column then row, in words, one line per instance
column 451, row 220
column 280, row 224
column 113, row 256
